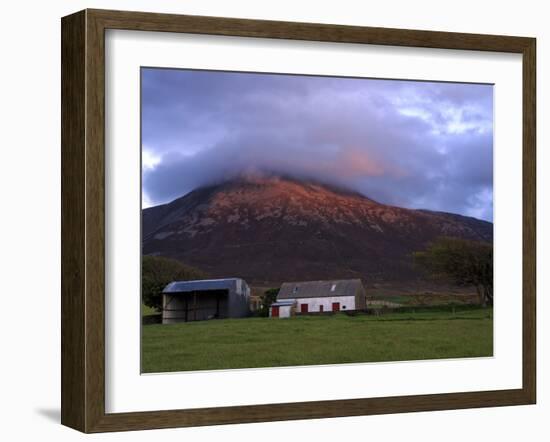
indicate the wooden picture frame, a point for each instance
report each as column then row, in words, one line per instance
column 83, row 220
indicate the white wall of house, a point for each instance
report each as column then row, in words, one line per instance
column 346, row 303
column 284, row 311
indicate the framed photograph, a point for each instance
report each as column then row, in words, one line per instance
column 269, row 220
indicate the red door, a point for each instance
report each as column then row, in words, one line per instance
column 275, row 311
column 335, row 306
column 303, row 308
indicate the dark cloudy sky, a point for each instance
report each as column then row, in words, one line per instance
column 412, row 144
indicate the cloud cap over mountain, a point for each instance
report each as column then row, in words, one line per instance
column 406, row 143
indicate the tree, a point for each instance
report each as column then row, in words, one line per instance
column 268, row 298
column 157, row 272
column 463, row 262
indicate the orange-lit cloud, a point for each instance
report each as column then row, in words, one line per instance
column 413, row 144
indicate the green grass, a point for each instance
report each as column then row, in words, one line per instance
column 314, row 340
column 146, row 311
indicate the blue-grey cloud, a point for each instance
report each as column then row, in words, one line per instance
column 413, row 144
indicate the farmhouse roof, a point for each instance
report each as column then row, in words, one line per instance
column 318, row 289
column 201, row 285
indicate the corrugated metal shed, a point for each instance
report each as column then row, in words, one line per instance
column 318, row 289
column 184, row 301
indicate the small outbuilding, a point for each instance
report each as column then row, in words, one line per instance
column 184, row 301
column 282, row 309
column 324, row 296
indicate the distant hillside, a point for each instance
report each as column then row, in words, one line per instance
column 275, row 229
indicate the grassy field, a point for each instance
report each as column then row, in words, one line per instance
column 313, row 340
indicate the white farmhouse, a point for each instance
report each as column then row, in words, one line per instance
column 320, row 296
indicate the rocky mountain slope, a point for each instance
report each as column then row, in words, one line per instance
column 273, row 229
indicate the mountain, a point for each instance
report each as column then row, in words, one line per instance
column 273, row 229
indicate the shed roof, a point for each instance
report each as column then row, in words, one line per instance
column 283, row 303
column 318, row 289
column 201, row 285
